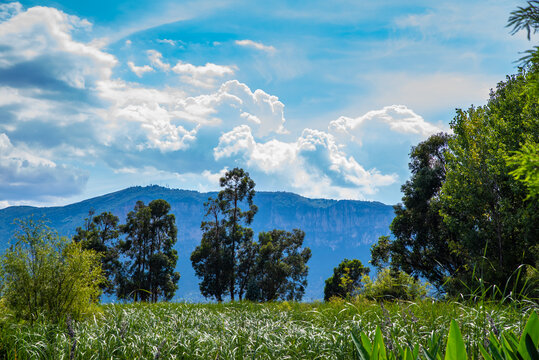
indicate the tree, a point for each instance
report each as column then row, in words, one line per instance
column 279, row 266
column 525, row 162
column 209, row 259
column 228, row 261
column 482, row 204
column 101, row 235
column 150, row 236
column 346, row 279
column 422, row 244
column 43, row 274
column 237, row 187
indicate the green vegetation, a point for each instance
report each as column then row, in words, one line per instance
column 228, row 261
column 45, row 276
column 470, row 212
column 140, row 265
column 279, row 269
column 244, row 330
column 346, row 280
column 390, row 285
column 507, row 347
column 149, row 273
column 98, row 234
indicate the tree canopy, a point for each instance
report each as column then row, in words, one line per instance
column 346, row 279
column 228, row 261
column 149, row 274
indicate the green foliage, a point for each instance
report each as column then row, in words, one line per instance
column 45, row 275
column 225, row 253
column 210, row 259
column 150, row 236
column 493, row 227
column 228, row 261
column 279, row 267
column 421, row 238
column 346, row 279
column 526, row 18
column 393, row 285
column 237, row 187
column 508, row 347
column 465, row 221
column 526, row 164
column 101, row 235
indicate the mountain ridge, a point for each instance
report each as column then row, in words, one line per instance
column 334, row 228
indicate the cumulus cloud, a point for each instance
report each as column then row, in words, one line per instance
column 202, row 76
column 398, row 118
column 259, row 108
column 47, row 60
column 25, row 176
column 256, row 45
column 52, row 84
column 139, row 70
column 313, row 159
column 10, row 9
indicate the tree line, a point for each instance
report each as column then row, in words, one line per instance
column 43, row 273
column 229, row 262
column 138, row 259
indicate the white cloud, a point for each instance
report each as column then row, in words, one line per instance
column 156, row 60
column 19, row 35
column 259, row 108
column 139, row 70
column 9, row 10
column 201, row 76
column 138, row 129
column 313, row 159
column 256, row 45
column 167, row 41
column 398, row 118
column 24, row 175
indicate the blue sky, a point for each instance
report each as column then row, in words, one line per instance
column 320, row 98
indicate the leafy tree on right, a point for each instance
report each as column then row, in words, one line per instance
column 464, row 215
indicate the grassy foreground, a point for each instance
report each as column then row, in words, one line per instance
column 252, row 331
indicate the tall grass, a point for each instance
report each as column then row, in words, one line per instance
column 252, row 331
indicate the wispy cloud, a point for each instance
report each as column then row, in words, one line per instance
column 167, row 41
column 256, row 45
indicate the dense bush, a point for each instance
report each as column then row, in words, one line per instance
column 393, row 285
column 45, row 275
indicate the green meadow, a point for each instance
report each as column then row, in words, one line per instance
column 280, row 330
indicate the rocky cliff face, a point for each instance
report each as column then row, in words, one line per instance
column 334, row 229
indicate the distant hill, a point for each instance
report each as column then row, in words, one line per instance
column 334, row 229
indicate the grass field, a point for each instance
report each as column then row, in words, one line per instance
column 251, row 331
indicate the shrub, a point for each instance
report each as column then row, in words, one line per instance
column 45, row 275
column 393, row 285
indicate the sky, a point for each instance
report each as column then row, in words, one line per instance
column 321, row 98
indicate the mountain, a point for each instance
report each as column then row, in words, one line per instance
column 334, row 230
